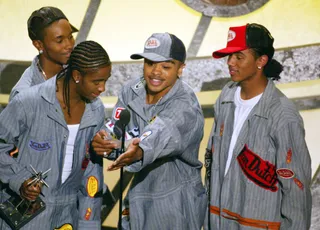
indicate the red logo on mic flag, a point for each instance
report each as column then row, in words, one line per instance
column 117, row 113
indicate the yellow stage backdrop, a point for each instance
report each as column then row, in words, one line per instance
column 122, row 26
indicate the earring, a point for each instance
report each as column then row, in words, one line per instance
column 77, row 81
column 259, row 67
column 40, row 51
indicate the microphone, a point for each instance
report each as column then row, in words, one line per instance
column 117, row 129
column 124, row 117
column 119, row 126
column 122, row 123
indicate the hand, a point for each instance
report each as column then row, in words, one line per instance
column 30, row 192
column 133, row 153
column 103, row 143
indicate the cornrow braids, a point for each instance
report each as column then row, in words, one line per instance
column 86, row 57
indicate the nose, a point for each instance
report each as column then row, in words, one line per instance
column 231, row 60
column 69, row 44
column 156, row 70
column 101, row 87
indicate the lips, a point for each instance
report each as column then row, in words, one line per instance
column 232, row 71
column 155, row 82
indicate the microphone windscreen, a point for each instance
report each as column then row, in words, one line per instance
column 117, row 129
column 125, row 117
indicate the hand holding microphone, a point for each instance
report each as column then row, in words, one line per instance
column 103, row 143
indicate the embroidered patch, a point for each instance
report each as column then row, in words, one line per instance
column 231, row 35
column 152, row 43
column 221, row 130
column 88, row 214
column 285, row 173
column 86, row 159
column 92, row 186
column 117, row 113
column 145, row 135
column 259, row 171
column 152, row 119
column 289, row 156
column 39, row 146
column 65, row 227
column 298, row 182
column 134, row 132
column 207, row 159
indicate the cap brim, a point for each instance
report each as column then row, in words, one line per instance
column 226, row 51
column 74, row 29
column 150, row 56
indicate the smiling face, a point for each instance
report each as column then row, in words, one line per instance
column 92, row 84
column 57, row 42
column 243, row 66
column 161, row 76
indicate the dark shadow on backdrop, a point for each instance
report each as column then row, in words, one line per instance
column 10, row 75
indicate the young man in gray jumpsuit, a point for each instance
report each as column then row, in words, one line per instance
column 259, row 162
column 167, row 191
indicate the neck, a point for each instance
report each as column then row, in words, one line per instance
column 250, row 89
column 49, row 68
column 74, row 97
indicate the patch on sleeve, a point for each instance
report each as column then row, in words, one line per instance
column 221, row 130
column 285, row 173
column 86, row 159
column 88, row 214
column 39, row 146
column 259, row 171
column 145, row 135
column 92, row 186
column 298, row 183
column 289, row 156
column 117, row 112
column 65, row 227
column 152, row 119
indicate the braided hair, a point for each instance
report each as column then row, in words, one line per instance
column 86, row 57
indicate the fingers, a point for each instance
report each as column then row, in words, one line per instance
column 30, row 192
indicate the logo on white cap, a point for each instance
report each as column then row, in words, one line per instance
column 152, row 43
column 231, row 35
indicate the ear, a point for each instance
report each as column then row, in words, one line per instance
column 38, row 44
column 76, row 76
column 262, row 61
column 180, row 70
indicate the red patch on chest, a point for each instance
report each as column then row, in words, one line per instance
column 259, row 171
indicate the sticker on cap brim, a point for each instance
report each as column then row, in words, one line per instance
column 65, row 227
column 92, row 186
column 231, row 35
column 152, row 43
column 285, row 173
column 145, row 135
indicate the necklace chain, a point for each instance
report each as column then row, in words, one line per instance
column 41, row 70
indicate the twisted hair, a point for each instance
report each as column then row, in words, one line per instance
column 86, row 57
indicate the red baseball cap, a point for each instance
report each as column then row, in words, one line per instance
column 245, row 37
